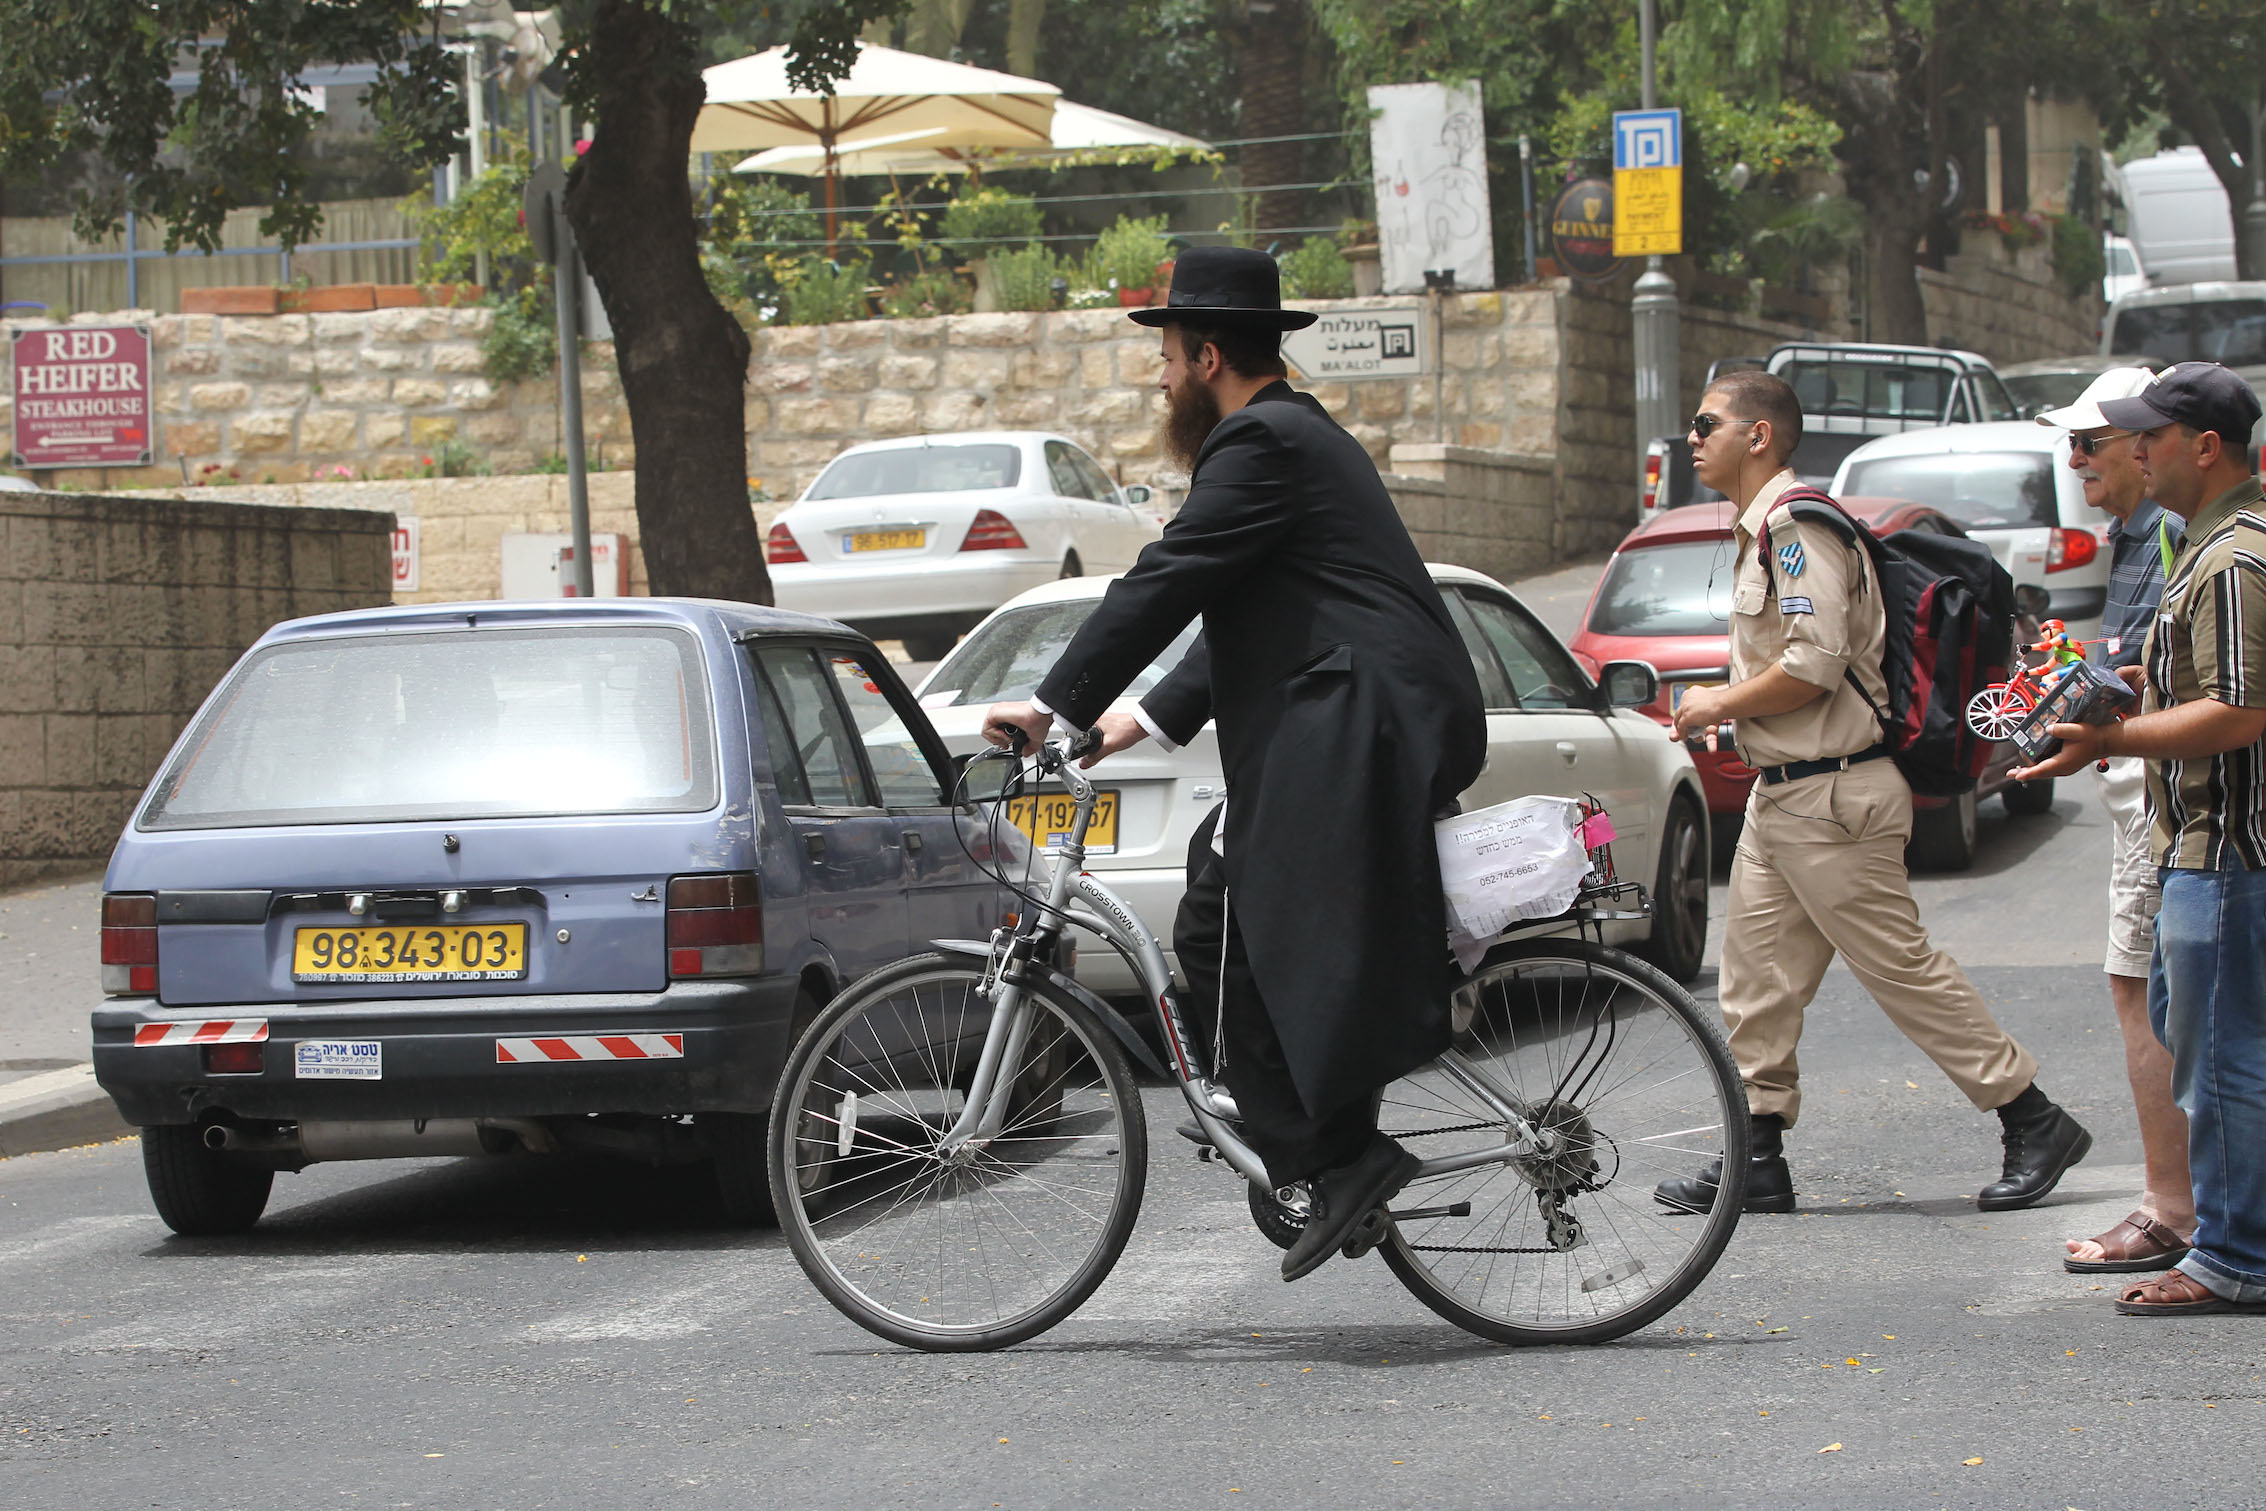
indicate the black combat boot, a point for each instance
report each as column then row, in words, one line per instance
column 1770, row 1185
column 2042, row 1142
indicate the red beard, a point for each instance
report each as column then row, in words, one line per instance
column 1191, row 413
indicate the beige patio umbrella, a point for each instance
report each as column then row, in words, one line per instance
column 751, row 106
column 1076, row 132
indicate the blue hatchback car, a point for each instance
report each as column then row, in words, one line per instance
column 494, row 878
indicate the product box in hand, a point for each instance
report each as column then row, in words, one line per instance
column 2085, row 694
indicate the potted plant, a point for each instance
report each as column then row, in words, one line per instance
column 1357, row 243
column 1127, row 256
column 981, row 225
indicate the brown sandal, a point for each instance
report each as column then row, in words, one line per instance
column 2180, row 1294
column 2134, row 1246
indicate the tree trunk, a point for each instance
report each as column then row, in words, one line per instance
column 1274, row 104
column 2198, row 116
column 1023, row 21
column 1878, row 166
column 683, row 360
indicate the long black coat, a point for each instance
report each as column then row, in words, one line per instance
column 1348, row 717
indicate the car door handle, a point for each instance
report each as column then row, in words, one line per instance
column 814, row 845
column 912, row 840
column 1569, row 752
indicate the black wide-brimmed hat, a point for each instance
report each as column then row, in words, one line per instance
column 1226, row 286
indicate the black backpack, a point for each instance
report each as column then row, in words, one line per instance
column 1950, row 609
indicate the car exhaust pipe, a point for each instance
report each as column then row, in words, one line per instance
column 394, row 1138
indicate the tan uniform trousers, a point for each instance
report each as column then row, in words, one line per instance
column 1820, row 870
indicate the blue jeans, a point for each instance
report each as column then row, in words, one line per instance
column 2207, row 1002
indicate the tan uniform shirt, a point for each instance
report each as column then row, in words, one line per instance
column 1814, row 609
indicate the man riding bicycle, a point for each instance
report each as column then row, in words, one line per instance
column 1348, row 716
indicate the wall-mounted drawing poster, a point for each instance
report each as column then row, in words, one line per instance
column 1428, row 151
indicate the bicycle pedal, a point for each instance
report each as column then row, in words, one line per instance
column 1452, row 1209
column 1366, row 1235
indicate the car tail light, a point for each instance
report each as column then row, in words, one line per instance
column 779, row 547
column 1653, row 461
column 2070, row 548
column 993, row 531
column 235, row 1059
column 716, row 925
column 129, row 944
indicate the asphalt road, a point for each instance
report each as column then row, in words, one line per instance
column 531, row 1333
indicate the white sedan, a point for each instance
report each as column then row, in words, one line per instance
column 1550, row 729
column 917, row 539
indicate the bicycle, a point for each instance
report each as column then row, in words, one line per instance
column 959, row 1148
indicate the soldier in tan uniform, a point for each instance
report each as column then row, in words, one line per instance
column 1820, row 864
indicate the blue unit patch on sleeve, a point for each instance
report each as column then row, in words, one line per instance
column 1795, row 606
column 1790, row 558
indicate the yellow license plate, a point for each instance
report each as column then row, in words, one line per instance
column 1047, row 819
column 888, row 540
column 454, row 952
column 1676, row 691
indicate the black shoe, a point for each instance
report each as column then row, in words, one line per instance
column 1770, row 1187
column 1339, row 1200
column 2042, row 1142
column 1191, row 1130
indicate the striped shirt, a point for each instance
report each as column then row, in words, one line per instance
column 2137, row 552
column 2210, row 642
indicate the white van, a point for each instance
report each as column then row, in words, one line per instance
column 2176, row 213
column 2009, row 486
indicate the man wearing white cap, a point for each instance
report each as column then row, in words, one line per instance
column 2143, row 539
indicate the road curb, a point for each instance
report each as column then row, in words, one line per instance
column 56, row 1110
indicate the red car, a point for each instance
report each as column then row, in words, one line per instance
column 1665, row 597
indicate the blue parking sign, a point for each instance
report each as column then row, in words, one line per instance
column 1648, row 139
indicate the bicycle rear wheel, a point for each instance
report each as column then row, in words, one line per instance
column 1632, row 1081
column 952, row 1250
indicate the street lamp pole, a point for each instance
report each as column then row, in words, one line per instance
column 1655, row 317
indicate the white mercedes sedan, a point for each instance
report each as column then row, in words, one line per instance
column 1550, row 729
column 917, row 539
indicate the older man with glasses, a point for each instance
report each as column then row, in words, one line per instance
column 2202, row 733
column 2143, row 540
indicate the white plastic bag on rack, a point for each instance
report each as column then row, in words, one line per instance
column 1517, row 860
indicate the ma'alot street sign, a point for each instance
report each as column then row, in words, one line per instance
column 1648, row 183
column 1388, row 342
column 83, row 396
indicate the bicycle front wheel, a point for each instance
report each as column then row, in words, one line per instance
column 977, row 1246
column 1629, row 1081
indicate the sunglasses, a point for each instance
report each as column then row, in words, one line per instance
column 2090, row 445
column 1704, row 425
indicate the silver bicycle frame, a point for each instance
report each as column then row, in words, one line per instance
column 1108, row 915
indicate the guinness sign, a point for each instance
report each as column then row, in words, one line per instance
column 1581, row 228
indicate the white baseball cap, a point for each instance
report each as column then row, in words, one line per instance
column 2085, row 414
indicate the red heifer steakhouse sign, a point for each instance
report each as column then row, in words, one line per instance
column 82, row 397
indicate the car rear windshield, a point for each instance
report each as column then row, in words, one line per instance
column 920, row 469
column 1983, row 490
column 478, row 724
column 1009, row 657
column 1874, row 390
column 2232, row 331
column 1682, row 589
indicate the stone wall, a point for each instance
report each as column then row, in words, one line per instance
column 287, row 398
column 117, row 616
column 2006, row 307
column 1091, row 375
column 1492, row 511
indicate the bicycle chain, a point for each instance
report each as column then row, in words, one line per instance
column 1455, row 1248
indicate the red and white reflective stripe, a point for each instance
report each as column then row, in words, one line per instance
column 591, row 1047
column 220, row 1031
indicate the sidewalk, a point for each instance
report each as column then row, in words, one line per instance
column 50, row 959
